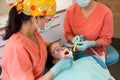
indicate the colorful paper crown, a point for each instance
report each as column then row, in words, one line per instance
column 34, row 7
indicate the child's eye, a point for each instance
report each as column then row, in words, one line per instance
column 57, row 50
column 62, row 45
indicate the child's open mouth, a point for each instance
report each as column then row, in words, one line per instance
column 66, row 52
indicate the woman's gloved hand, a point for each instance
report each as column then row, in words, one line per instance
column 77, row 37
column 83, row 45
column 63, row 64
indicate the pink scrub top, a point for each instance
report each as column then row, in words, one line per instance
column 97, row 26
column 23, row 59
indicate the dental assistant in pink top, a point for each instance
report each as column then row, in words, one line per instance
column 94, row 21
column 24, row 55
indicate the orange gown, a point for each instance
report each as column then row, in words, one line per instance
column 23, row 59
column 97, row 26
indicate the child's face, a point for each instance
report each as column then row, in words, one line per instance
column 59, row 51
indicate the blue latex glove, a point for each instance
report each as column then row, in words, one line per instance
column 83, row 45
column 69, row 46
column 75, row 38
column 61, row 65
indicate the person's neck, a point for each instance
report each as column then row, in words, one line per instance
column 90, row 7
column 27, row 30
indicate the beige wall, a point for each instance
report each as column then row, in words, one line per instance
column 114, row 5
column 4, row 9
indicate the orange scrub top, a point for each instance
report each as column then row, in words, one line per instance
column 23, row 59
column 98, row 25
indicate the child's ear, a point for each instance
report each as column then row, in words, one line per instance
column 54, row 61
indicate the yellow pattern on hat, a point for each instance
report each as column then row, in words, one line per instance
column 36, row 7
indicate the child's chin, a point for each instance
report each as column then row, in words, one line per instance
column 68, row 55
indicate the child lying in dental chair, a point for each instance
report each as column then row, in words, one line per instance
column 85, row 68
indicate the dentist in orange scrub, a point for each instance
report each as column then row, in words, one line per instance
column 94, row 21
column 24, row 55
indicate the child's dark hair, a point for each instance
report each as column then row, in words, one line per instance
column 15, row 22
column 50, row 58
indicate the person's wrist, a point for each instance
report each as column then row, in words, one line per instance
column 93, row 43
column 72, row 40
column 54, row 71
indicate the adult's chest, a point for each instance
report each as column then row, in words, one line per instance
column 89, row 27
column 37, row 55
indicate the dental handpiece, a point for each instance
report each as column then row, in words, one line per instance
column 76, row 42
column 75, row 45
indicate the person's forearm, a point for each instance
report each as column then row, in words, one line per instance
column 48, row 76
column 69, row 39
column 98, row 43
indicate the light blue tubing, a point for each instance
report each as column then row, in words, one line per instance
column 112, row 55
